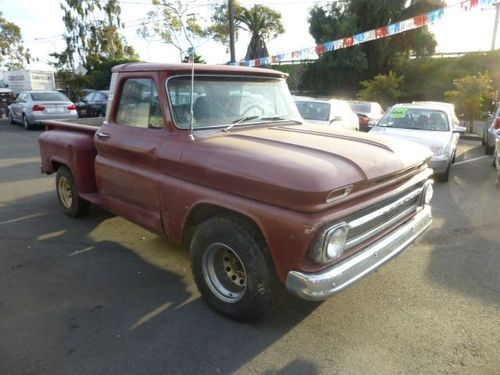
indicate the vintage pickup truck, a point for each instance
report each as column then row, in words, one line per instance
column 218, row 158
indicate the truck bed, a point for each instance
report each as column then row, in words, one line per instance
column 71, row 144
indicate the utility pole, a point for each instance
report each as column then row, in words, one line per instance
column 231, row 30
column 495, row 28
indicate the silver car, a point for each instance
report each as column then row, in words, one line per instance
column 490, row 132
column 431, row 124
column 331, row 112
column 32, row 107
column 496, row 159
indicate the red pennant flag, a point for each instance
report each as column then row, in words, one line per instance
column 348, row 42
column 381, row 32
column 421, row 20
column 320, row 48
column 257, row 62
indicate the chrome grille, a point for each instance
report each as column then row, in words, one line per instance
column 379, row 218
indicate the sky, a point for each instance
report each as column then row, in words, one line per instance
column 41, row 25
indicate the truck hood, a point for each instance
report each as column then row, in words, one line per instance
column 294, row 166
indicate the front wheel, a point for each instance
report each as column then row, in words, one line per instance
column 67, row 193
column 232, row 269
column 11, row 119
column 26, row 123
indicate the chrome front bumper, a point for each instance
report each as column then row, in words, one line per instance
column 321, row 285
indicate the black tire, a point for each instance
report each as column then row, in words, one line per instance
column 444, row 177
column 67, row 193
column 232, row 269
column 488, row 150
column 11, row 119
column 26, row 123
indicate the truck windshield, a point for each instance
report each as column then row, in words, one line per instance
column 222, row 101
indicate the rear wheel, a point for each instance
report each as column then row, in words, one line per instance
column 232, row 269
column 488, row 150
column 26, row 123
column 67, row 193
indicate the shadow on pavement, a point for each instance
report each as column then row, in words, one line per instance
column 101, row 295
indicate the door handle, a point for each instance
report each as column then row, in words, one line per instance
column 103, row 136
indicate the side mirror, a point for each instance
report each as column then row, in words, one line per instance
column 459, row 129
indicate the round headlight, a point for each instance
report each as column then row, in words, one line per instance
column 335, row 242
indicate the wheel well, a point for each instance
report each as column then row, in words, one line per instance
column 204, row 211
column 56, row 165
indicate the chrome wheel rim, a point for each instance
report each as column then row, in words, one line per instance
column 25, row 122
column 224, row 272
column 65, row 193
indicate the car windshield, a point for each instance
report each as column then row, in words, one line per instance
column 415, row 118
column 360, row 107
column 222, row 101
column 317, row 111
column 49, row 96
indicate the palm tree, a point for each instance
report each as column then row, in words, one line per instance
column 263, row 23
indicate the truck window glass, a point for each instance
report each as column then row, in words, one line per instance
column 220, row 101
column 139, row 105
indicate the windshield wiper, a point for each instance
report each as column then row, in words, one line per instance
column 239, row 121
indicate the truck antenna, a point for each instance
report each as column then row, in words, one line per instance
column 191, row 56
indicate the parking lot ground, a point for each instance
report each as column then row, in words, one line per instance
column 99, row 295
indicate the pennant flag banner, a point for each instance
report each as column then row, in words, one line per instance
column 379, row 33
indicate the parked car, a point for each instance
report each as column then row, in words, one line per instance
column 93, row 104
column 332, row 112
column 32, row 107
column 491, row 132
column 369, row 113
column 496, row 160
column 431, row 124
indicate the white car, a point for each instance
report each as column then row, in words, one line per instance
column 431, row 124
column 330, row 112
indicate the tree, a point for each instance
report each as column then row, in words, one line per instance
column 175, row 23
column 91, row 34
column 12, row 53
column 262, row 22
column 342, row 70
column 383, row 89
column 469, row 95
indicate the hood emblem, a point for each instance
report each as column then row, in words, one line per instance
column 338, row 194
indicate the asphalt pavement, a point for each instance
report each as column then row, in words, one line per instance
column 100, row 295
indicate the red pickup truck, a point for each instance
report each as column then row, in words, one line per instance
column 220, row 159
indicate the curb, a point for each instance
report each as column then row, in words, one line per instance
column 471, row 137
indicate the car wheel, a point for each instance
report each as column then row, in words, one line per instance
column 11, row 119
column 232, row 269
column 444, row 177
column 488, row 150
column 26, row 123
column 67, row 193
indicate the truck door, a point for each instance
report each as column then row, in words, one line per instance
column 126, row 170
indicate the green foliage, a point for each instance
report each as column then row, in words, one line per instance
column 384, row 89
column 12, row 53
column 340, row 71
column 262, row 22
column 175, row 23
column 197, row 59
column 430, row 78
column 91, row 34
column 72, row 83
column 469, row 94
column 219, row 28
column 101, row 75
